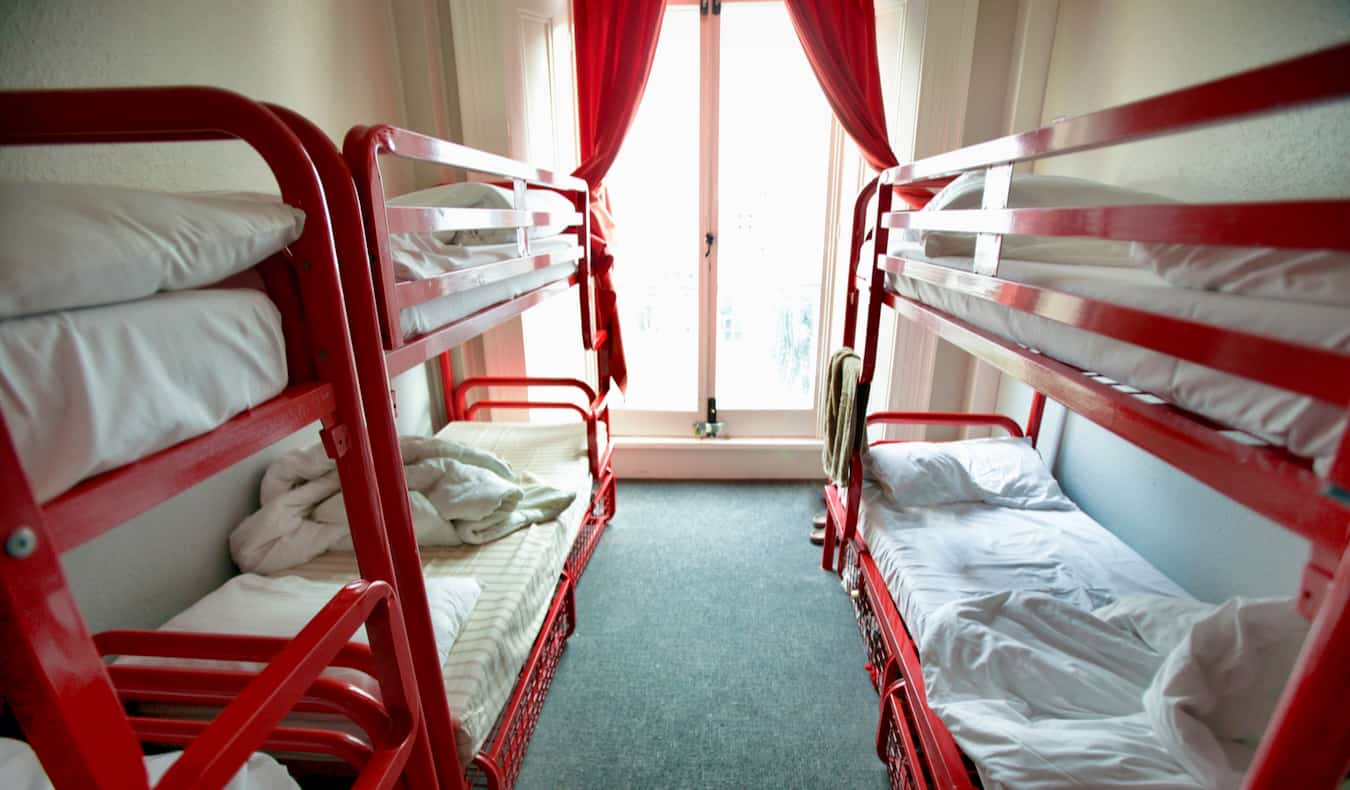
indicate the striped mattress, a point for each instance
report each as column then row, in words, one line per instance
column 518, row 573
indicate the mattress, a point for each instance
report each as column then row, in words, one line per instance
column 1306, row 427
column 20, row 770
column 518, row 574
column 88, row 390
column 413, row 257
column 934, row 556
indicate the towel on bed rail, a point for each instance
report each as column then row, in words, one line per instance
column 458, row 494
column 838, row 423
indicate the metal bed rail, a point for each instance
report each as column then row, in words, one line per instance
column 1308, row 740
column 365, row 146
column 353, row 186
column 53, row 677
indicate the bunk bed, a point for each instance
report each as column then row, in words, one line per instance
column 1056, row 328
column 496, row 678
column 62, row 693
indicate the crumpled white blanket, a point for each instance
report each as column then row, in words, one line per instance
column 1145, row 693
column 458, row 494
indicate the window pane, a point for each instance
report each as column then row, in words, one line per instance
column 773, row 166
column 654, row 187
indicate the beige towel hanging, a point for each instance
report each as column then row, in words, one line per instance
column 837, row 418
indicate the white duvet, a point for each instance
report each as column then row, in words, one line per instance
column 1041, row 694
column 458, row 494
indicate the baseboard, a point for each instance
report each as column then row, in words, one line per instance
column 716, row 459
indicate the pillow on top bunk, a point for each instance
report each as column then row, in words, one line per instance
column 473, row 194
column 282, row 605
column 1028, row 191
column 76, row 245
column 1317, row 276
column 1006, row 472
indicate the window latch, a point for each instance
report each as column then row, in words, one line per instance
column 708, row 239
column 712, row 427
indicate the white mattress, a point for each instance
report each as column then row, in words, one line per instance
column 933, row 556
column 410, row 254
column 84, row 391
column 1306, row 427
column 518, row 573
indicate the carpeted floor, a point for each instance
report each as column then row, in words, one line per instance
column 710, row 652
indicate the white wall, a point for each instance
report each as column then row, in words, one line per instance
column 1109, row 53
column 335, row 61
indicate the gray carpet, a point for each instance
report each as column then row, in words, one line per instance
column 711, row 651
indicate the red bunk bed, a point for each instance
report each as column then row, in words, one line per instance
column 1307, row 743
column 78, row 713
column 467, row 299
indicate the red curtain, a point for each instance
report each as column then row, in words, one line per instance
column 840, row 39
column 615, row 43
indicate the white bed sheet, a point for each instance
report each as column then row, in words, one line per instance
column 934, row 556
column 1306, row 427
column 20, row 770
column 518, row 574
column 413, row 257
column 1041, row 695
column 84, row 391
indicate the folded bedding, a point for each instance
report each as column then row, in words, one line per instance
column 477, row 195
column 458, row 494
column 518, row 573
column 418, row 256
column 283, row 605
column 89, row 390
column 1313, row 276
column 1042, row 694
column 79, row 245
column 415, row 255
column 1304, row 426
column 21, row 770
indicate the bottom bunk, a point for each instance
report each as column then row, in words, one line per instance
column 521, row 575
column 499, row 641
column 1026, row 647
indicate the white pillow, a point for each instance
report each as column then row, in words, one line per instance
column 1027, row 191
column 74, row 245
column 473, row 194
column 1318, row 276
column 1006, row 472
column 281, row 606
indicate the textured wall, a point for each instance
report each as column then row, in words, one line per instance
column 1109, row 53
column 335, row 61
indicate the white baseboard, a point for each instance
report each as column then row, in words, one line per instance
column 716, row 459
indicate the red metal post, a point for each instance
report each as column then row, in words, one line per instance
column 383, row 433
column 1034, row 417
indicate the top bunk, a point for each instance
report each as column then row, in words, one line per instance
column 1147, row 316
column 451, row 262
column 276, row 330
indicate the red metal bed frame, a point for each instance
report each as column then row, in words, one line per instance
column 362, row 223
column 1308, row 741
column 67, row 702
